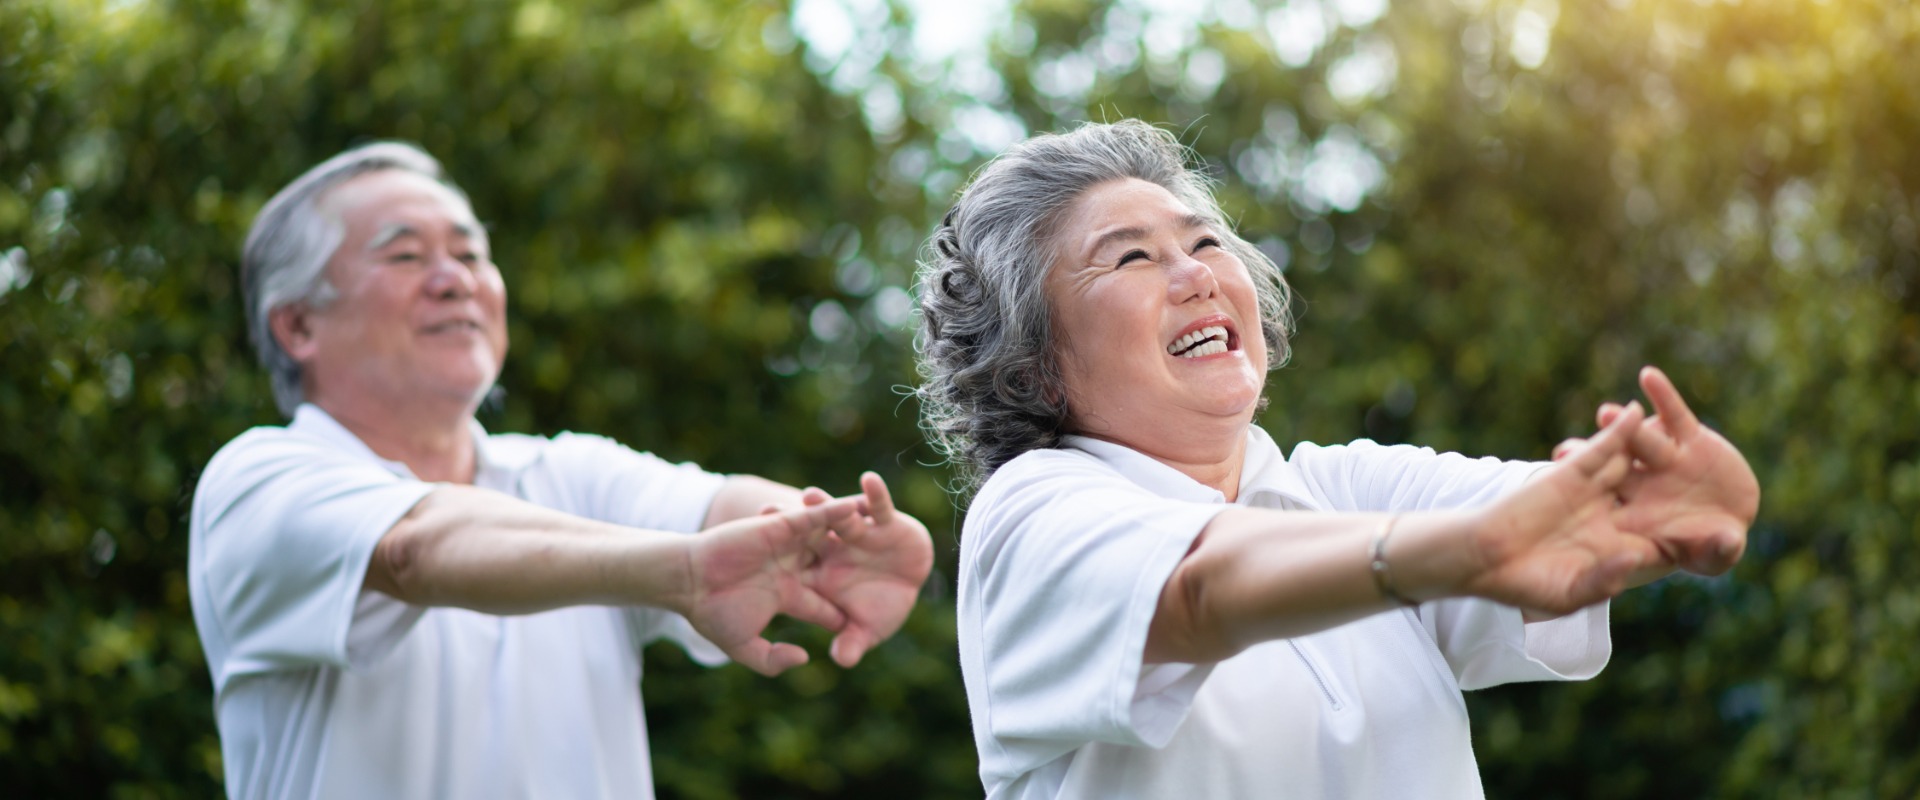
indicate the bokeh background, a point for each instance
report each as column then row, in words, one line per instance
column 708, row 215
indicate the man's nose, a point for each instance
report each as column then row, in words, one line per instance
column 450, row 278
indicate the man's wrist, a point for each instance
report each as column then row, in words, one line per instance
column 657, row 569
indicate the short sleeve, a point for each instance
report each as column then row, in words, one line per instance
column 1365, row 476
column 1488, row 644
column 1063, row 562
column 651, row 624
column 599, row 478
column 283, row 528
column 1485, row 643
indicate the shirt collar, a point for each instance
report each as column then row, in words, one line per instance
column 1268, row 473
column 489, row 456
column 1145, row 471
column 1264, row 472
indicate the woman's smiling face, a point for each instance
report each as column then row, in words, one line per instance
column 1157, row 323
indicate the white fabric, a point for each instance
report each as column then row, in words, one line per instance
column 1062, row 559
column 325, row 690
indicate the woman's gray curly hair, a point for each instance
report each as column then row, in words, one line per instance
column 991, row 384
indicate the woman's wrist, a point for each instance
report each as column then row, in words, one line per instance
column 1432, row 555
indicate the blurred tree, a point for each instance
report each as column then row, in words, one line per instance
column 1492, row 210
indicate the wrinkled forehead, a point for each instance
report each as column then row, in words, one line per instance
column 1117, row 210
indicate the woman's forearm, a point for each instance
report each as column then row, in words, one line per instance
column 1551, row 546
column 1255, row 575
column 747, row 495
column 481, row 550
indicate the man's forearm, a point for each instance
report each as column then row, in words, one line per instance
column 482, row 550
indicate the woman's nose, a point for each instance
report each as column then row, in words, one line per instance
column 1190, row 278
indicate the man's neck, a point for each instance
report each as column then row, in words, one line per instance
column 436, row 444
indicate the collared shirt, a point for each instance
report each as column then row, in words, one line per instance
column 1063, row 556
column 325, row 689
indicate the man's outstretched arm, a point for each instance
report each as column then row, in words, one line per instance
column 472, row 548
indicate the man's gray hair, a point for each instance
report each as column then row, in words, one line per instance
column 991, row 384
column 287, row 250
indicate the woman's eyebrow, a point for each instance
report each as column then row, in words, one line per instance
column 1115, row 235
column 1186, row 222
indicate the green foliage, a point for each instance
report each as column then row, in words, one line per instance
column 706, row 227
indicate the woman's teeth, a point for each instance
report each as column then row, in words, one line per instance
column 1204, row 342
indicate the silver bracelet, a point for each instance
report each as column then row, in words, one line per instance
column 1382, row 574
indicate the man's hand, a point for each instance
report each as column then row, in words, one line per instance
column 1690, row 490
column 742, row 573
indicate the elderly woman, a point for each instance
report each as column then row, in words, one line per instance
column 1155, row 602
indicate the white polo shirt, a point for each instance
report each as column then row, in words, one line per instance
column 1062, row 559
column 323, row 689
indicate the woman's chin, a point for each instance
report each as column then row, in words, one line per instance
column 1234, row 397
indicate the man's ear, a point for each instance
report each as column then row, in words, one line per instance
column 291, row 326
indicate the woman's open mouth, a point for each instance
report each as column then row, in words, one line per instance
column 1201, row 342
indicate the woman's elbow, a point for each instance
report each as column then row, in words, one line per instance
column 1185, row 629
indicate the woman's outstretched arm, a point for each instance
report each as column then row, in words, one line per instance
column 1255, row 575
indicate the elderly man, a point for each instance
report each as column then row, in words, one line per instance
column 396, row 603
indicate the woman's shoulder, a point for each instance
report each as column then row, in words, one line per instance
column 1043, row 466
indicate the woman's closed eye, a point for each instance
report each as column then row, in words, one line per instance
column 1205, row 242
column 1132, row 255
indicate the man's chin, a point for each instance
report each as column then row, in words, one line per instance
column 468, row 389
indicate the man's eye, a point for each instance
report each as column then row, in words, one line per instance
column 1132, row 255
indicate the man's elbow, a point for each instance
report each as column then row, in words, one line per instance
column 395, row 568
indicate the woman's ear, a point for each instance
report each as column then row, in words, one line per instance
column 291, row 326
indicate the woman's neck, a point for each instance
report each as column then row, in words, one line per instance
column 1214, row 461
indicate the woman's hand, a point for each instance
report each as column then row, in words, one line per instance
column 872, row 570
column 870, row 566
column 1690, row 490
column 1555, row 546
column 742, row 573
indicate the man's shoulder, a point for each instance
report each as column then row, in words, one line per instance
column 241, row 462
column 263, row 453
column 565, row 449
column 570, row 456
column 259, row 443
